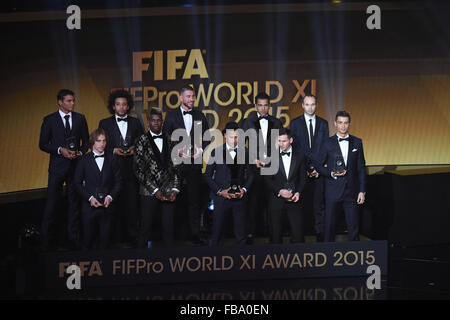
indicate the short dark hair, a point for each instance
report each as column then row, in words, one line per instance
column 95, row 134
column 154, row 111
column 62, row 93
column 262, row 96
column 309, row 95
column 120, row 94
column 186, row 88
column 230, row 126
column 343, row 113
column 284, row 131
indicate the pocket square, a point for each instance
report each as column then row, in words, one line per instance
column 354, row 150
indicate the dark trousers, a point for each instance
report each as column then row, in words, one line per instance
column 221, row 207
column 54, row 196
column 192, row 178
column 351, row 210
column 295, row 218
column 97, row 222
column 315, row 200
column 150, row 207
column 126, row 215
column 258, row 216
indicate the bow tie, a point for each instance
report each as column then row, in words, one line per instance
column 285, row 153
column 122, row 119
column 99, row 156
column 158, row 137
column 266, row 117
column 187, row 112
column 231, row 149
column 343, row 139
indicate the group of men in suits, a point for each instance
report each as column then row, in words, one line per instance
column 130, row 171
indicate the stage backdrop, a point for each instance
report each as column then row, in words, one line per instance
column 393, row 81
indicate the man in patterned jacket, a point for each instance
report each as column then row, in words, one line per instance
column 159, row 182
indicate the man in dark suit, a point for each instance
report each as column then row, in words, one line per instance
column 192, row 124
column 123, row 130
column 98, row 181
column 229, row 176
column 310, row 132
column 286, row 187
column 159, row 182
column 345, row 174
column 64, row 135
column 263, row 123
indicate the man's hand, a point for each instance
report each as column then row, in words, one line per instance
column 119, row 152
column 107, row 202
column 130, row 151
column 285, row 193
column 94, row 203
column 340, row 174
column 296, row 197
column 225, row 194
column 313, row 174
column 173, row 197
column 198, row 152
column 361, row 198
column 240, row 194
column 259, row 164
column 159, row 196
column 66, row 153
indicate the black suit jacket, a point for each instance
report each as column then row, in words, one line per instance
column 252, row 122
column 88, row 177
column 134, row 131
column 174, row 120
column 297, row 177
column 52, row 137
column 355, row 178
column 301, row 137
column 218, row 175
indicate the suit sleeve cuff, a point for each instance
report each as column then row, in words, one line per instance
column 154, row 191
column 90, row 198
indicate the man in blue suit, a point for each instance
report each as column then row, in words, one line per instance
column 310, row 132
column 229, row 176
column 64, row 135
column 98, row 181
column 345, row 174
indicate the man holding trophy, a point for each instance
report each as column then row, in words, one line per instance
column 229, row 176
column 98, row 181
column 345, row 186
column 286, row 189
column 158, row 179
column 64, row 135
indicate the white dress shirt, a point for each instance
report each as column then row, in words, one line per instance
column 158, row 142
column 313, row 122
column 62, row 114
column 123, row 126
column 99, row 161
column 287, row 161
column 231, row 152
column 344, row 148
column 264, row 124
column 187, row 118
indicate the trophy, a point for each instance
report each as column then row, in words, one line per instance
column 339, row 164
column 125, row 144
column 289, row 187
column 234, row 188
column 71, row 144
column 189, row 150
column 100, row 195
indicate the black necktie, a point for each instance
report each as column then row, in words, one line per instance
column 122, row 119
column 67, row 125
column 266, row 117
column 99, row 156
column 311, row 133
column 156, row 137
column 344, row 139
column 187, row 112
column 285, row 153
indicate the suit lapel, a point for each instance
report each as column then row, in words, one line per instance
column 95, row 167
column 283, row 171
column 305, row 130
column 337, row 146
column 155, row 149
column 180, row 119
column 350, row 153
column 293, row 164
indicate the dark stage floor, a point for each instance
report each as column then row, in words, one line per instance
column 413, row 273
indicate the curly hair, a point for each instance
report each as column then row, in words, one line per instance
column 120, row 94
